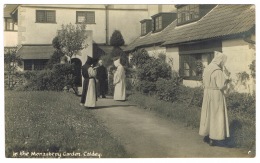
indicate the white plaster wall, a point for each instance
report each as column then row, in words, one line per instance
column 155, row 51
column 10, row 39
column 120, row 18
column 128, row 22
column 154, row 9
column 192, row 83
column 43, row 33
column 172, row 57
column 240, row 55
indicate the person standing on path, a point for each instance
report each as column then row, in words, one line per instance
column 214, row 119
column 91, row 96
column 119, row 81
column 86, row 80
column 102, row 79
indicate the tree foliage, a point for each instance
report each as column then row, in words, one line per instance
column 117, row 39
column 11, row 62
column 57, row 54
column 72, row 39
column 11, row 59
column 252, row 68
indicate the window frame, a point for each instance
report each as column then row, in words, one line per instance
column 6, row 24
column 188, row 13
column 144, row 28
column 189, row 59
column 45, row 16
column 85, row 13
column 158, row 26
column 34, row 64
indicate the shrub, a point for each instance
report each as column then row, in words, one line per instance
column 145, row 87
column 241, row 102
column 166, row 89
column 55, row 59
column 154, row 69
column 55, row 79
column 139, row 58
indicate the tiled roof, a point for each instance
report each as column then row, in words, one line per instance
column 151, row 38
column 36, row 51
column 8, row 8
column 223, row 20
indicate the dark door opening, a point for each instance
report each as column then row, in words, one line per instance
column 77, row 71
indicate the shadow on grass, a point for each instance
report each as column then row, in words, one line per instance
column 231, row 142
column 110, row 106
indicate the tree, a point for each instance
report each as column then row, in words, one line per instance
column 57, row 54
column 72, row 39
column 117, row 39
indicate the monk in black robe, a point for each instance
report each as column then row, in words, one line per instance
column 86, row 80
column 102, row 79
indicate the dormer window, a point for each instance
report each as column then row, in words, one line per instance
column 188, row 13
column 146, row 26
column 143, row 28
column 162, row 20
column 158, row 23
column 192, row 12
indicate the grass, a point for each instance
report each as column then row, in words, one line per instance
column 242, row 125
column 54, row 122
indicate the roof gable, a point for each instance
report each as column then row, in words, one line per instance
column 8, row 9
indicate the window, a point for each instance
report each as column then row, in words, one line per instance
column 28, row 64
column 88, row 16
column 143, row 28
column 158, row 23
column 45, row 16
column 38, row 64
column 191, row 66
column 9, row 24
column 188, row 13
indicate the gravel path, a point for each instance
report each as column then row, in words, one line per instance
column 146, row 135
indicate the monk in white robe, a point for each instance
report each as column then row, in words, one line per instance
column 214, row 119
column 119, row 82
column 91, row 97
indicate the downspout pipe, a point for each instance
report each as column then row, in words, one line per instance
column 107, row 24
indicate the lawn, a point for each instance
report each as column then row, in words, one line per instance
column 53, row 124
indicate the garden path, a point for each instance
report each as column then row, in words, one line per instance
column 147, row 135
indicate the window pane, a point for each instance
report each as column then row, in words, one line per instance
column 90, row 17
column 39, row 64
column 40, row 16
column 27, row 64
column 9, row 24
column 45, row 16
column 188, row 13
column 143, row 28
column 186, row 72
column 186, row 66
column 50, row 16
column 81, row 19
column 160, row 22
